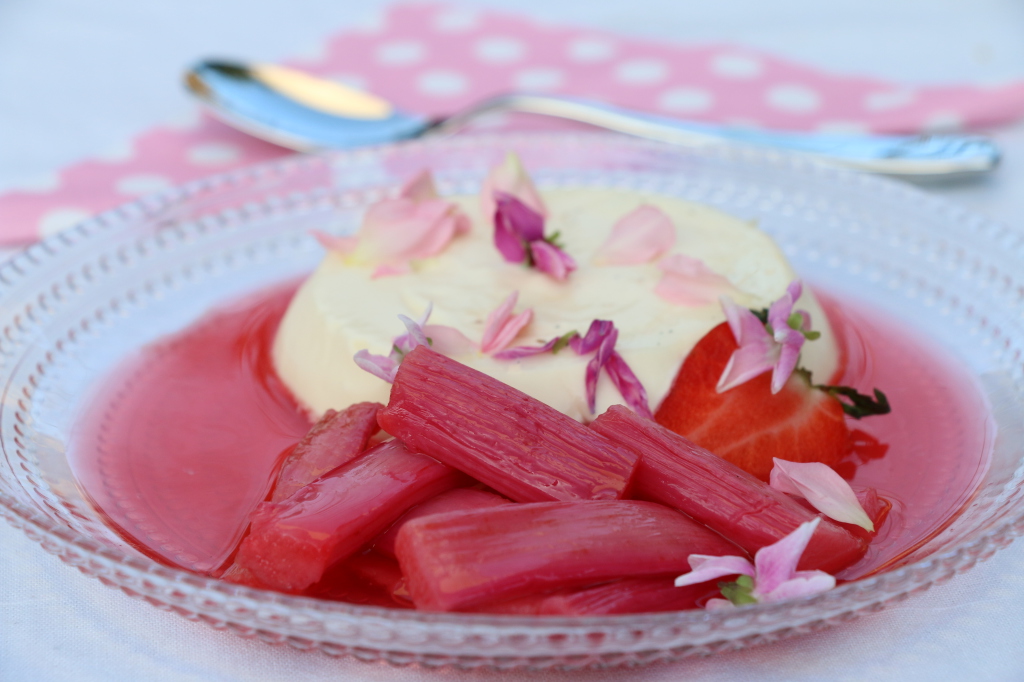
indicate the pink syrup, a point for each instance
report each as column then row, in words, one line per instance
column 186, row 436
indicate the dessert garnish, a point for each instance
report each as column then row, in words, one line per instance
column 600, row 340
column 773, row 344
column 641, row 236
column 386, row 366
column 519, row 237
column 771, row 577
column 720, row 394
column 771, row 339
column 690, row 282
column 510, row 177
column 502, row 326
column 416, row 224
column 823, row 488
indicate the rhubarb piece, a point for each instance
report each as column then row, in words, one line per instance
column 628, row 595
column 458, row 560
column 517, row 445
column 241, row 576
column 291, row 543
column 677, row 473
column 460, row 499
column 337, row 439
column 364, row 579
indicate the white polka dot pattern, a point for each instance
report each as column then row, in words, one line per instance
column 434, row 59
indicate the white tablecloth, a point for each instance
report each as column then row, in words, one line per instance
column 78, row 79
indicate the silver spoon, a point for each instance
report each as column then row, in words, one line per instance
column 295, row 110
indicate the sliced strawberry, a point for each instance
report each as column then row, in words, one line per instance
column 747, row 425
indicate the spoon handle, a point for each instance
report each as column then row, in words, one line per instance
column 904, row 155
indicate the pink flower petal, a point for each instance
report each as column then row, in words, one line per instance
column 823, row 488
column 502, row 327
column 399, row 230
column 596, row 364
column 551, row 260
column 448, row 340
column 628, row 385
column 333, row 242
column 414, row 335
column 689, row 282
column 789, row 355
column 520, row 352
column 596, row 334
column 756, row 353
column 511, row 178
column 380, row 366
column 804, row 584
column 640, row 236
column 391, row 270
column 776, row 563
column 719, row 605
column 420, row 187
column 515, row 225
column 705, row 568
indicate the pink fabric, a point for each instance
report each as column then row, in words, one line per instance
column 438, row 58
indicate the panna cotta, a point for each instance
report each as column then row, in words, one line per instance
column 343, row 307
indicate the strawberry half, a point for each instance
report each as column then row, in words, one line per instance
column 747, row 425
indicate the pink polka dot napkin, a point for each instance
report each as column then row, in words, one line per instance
column 437, row 58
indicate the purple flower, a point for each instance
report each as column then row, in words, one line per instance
column 772, row 577
column 760, row 351
column 519, row 237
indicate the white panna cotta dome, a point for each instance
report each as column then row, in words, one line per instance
column 342, row 309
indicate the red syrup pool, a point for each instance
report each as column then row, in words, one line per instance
column 185, row 436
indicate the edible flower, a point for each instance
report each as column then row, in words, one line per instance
column 772, row 577
column 823, row 488
column 502, row 326
column 600, row 340
column 417, row 224
column 690, row 282
column 773, row 345
column 444, row 339
column 519, row 237
column 640, row 236
column 510, row 178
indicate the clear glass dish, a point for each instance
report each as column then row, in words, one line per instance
column 78, row 303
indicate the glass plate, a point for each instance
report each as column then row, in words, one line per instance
column 78, row 303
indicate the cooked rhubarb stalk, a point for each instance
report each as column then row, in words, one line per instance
column 458, row 560
column 628, row 595
column 500, row 436
column 338, row 438
column 460, row 499
column 369, row 579
column 677, row 473
column 291, row 543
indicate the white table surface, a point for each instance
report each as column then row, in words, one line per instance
column 80, row 78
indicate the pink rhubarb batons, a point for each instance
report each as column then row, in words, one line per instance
column 627, row 595
column 291, row 543
column 460, row 499
column 500, row 436
column 677, row 473
column 459, row 560
column 336, row 439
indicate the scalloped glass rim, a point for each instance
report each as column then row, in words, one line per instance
column 950, row 272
